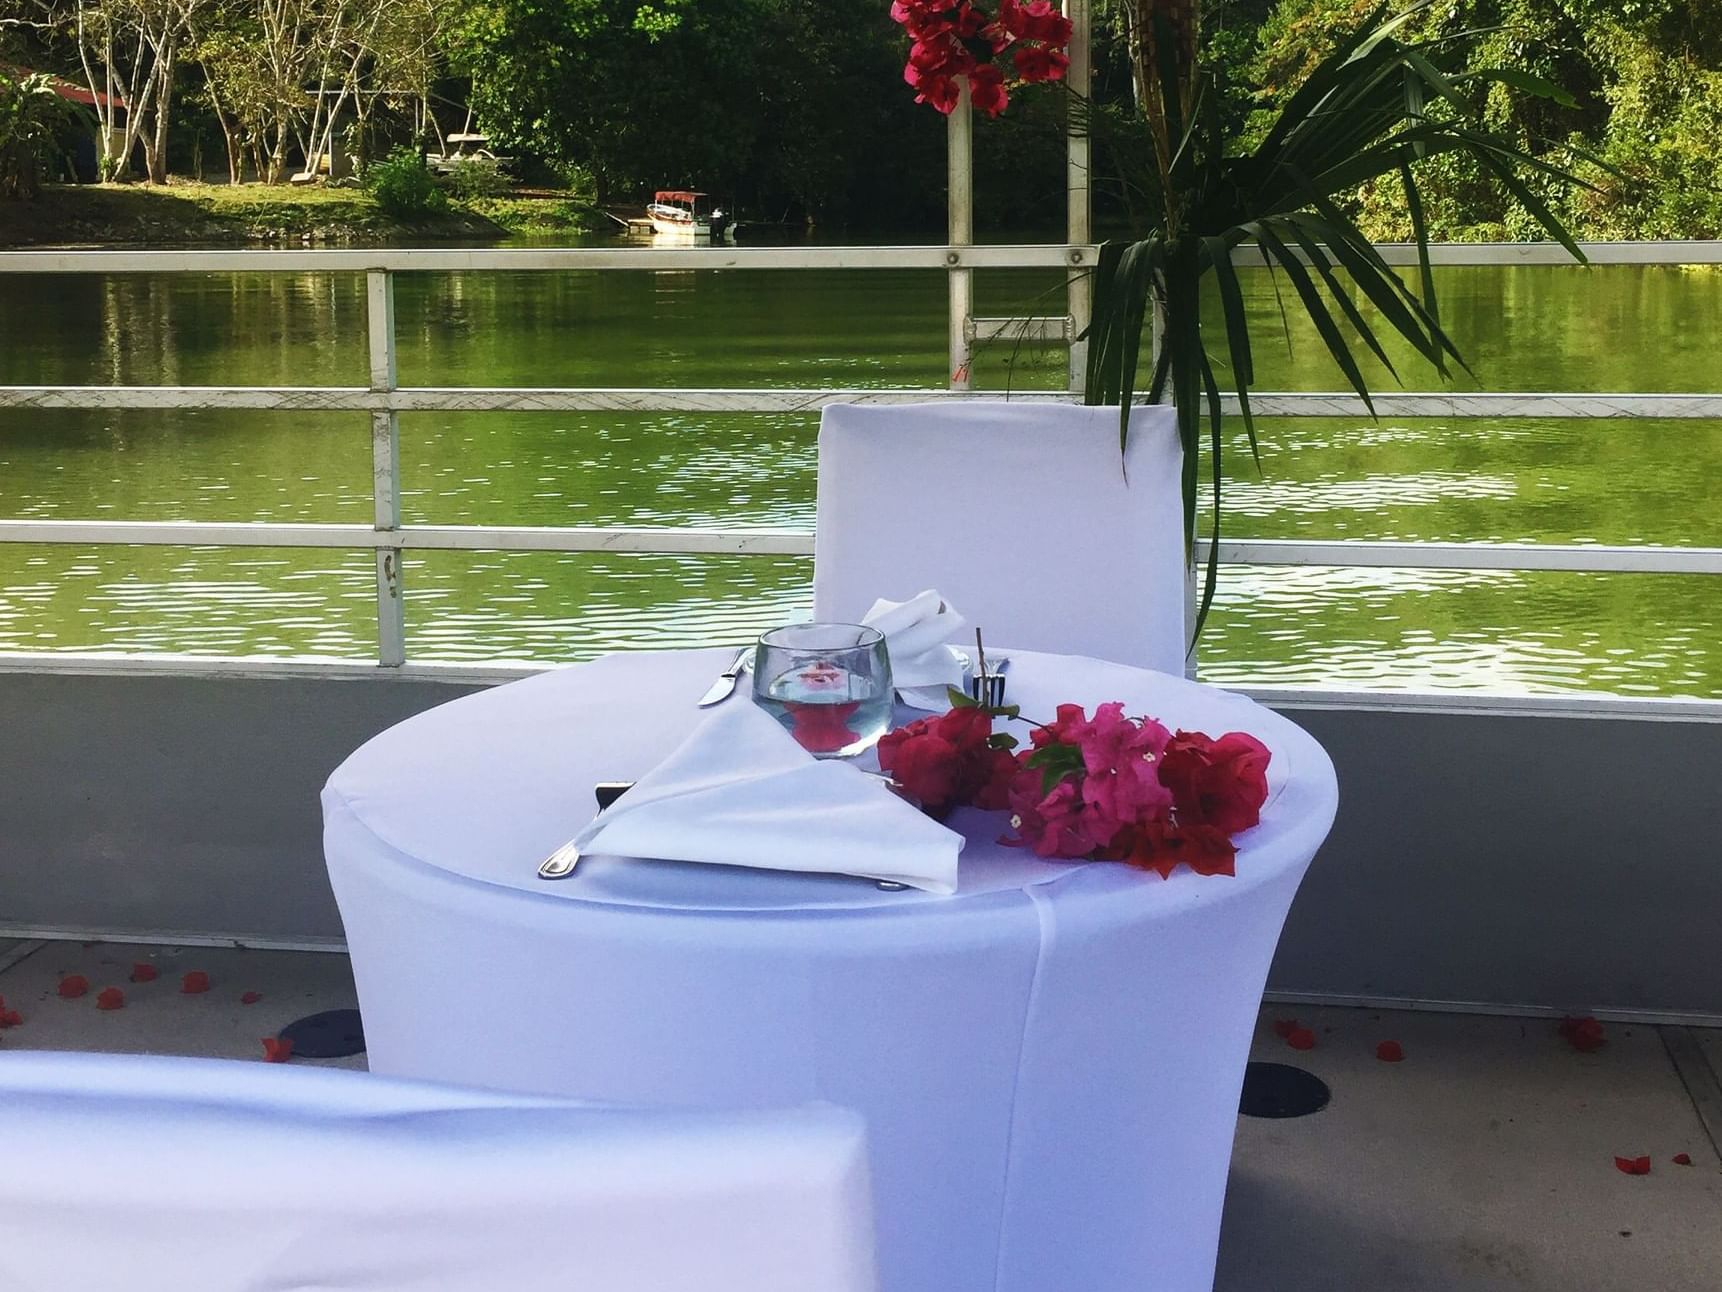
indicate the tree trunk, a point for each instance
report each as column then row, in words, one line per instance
column 156, row 149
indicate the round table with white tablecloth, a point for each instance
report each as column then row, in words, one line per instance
column 1048, row 1061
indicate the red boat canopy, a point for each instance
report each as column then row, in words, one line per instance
column 676, row 195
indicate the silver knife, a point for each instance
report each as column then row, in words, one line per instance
column 725, row 683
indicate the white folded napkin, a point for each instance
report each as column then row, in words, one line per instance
column 916, row 632
column 740, row 792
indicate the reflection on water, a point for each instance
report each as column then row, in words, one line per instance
column 1438, row 479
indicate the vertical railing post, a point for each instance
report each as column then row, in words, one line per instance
column 1078, row 161
column 960, row 183
column 385, row 467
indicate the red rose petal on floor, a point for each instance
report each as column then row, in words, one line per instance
column 1390, row 1052
column 10, row 1018
column 1683, row 1159
column 74, row 985
column 142, row 972
column 1284, row 1027
column 110, row 998
column 1301, row 1038
column 1632, row 1165
column 278, row 1049
column 1584, row 1034
column 251, row 998
column 194, row 982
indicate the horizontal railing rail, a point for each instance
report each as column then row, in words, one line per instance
column 667, row 399
column 1596, row 558
column 385, row 400
column 930, row 256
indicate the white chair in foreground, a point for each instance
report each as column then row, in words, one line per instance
column 174, row 1174
column 1025, row 514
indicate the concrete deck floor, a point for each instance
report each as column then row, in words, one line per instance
column 1483, row 1161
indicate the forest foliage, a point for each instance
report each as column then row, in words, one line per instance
column 796, row 110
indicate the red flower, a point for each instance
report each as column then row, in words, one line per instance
column 1284, row 1027
column 987, row 90
column 110, row 998
column 1160, row 845
column 1632, row 1165
column 10, row 1018
column 1222, row 783
column 194, row 983
column 1584, row 1034
column 940, row 91
column 74, row 985
column 277, row 1049
column 1056, row 824
column 1037, row 63
column 946, row 761
column 1390, row 1052
column 1683, row 1159
column 822, row 728
column 142, row 971
column 251, row 998
column 1301, row 1038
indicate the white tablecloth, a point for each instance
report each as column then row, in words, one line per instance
column 1049, row 1061
column 139, row 1174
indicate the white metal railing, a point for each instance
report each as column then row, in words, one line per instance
column 385, row 399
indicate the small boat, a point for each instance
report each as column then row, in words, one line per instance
column 683, row 214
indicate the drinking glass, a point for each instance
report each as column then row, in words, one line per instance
column 828, row 684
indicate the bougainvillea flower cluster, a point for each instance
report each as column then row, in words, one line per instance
column 953, row 41
column 1107, row 787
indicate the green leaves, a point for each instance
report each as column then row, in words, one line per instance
column 1054, row 762
column 1376, row 107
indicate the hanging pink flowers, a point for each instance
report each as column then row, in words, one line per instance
column 955, row 40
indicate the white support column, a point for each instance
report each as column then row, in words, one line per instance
column 960, row 180
column 385, row 468
column 1078, row 163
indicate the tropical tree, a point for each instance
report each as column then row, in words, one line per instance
column 31, row 114
column 1378, row 107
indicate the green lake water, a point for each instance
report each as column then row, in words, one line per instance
column 1604, row 329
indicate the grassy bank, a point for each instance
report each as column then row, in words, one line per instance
column 183, row 215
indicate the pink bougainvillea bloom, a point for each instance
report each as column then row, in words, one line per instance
column 1632, row 1165
column 1121, row 760
column 277, row 1049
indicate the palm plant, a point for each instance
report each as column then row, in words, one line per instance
column 1374, row 108
column 31, row 115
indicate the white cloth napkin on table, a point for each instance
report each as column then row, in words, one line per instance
column 740, row 792
column 917, row 633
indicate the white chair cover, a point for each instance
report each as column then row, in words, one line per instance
column 1023, row 513
column 166, row 1175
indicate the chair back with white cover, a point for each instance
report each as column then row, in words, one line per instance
column 153, row 1174
column 1023, row 513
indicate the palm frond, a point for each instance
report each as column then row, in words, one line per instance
column 1377, row 108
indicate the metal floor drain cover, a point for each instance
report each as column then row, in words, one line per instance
column 1280, row 1090
column 333, row 1034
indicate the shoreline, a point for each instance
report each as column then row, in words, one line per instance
column 135, row 216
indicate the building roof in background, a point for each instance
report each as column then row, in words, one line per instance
column 68, row 90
